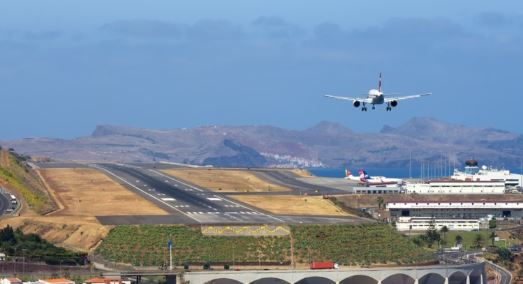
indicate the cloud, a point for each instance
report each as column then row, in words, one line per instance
column 492, row 19
column 214, row 30
column 144, row 28
column 30, row 35
column 397, row 35
column 276, row 27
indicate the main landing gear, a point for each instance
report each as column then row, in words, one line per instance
column 389, row 108
column 364, row 107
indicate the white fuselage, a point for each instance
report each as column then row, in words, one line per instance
column 374, row 180
column 375, row 97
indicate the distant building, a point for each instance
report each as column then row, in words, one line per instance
column 456, row 187
column 378, row 190
column 10, row 281
column 424, row 223
column 56, row 281
column 474, row 173
column 106, row 280
column 2, row 256
column 456, row 210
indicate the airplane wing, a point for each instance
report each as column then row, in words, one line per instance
column 347, row 98
column 387, row 100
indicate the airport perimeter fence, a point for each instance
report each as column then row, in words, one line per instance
column 102, row 264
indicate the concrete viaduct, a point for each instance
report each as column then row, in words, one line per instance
column 451, row 274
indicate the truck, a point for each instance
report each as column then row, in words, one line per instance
column 13, row 199
column 324, row 265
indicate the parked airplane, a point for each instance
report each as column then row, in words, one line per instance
column 378, row 181
column 377, row 97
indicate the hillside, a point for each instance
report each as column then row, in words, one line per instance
column 325, row 144
column 146, row 245
column 18, row 177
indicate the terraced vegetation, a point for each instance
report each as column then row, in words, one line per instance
column 346, row 244
column 15, row 174
column 355, row 245
column 147, row 245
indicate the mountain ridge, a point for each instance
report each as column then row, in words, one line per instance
column 325, row 143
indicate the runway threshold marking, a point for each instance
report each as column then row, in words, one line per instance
column 175, row 180
column 137, row 188
column 215, row 196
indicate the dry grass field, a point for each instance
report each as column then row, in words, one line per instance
column 81, row 194
column 226, row 180
column 299, row 172
column 78, row 233
column 292, row 204
column 88, row 192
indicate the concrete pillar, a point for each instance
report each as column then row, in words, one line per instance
column 481, row 278
column 468, row 279
column 416, row 281
column 446, row 280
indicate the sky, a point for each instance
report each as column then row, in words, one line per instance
column 67, row 66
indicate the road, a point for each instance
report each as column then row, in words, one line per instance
column 190, row 204
column 5, row 202
column 503, row 275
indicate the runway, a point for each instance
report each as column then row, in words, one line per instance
column 293, row 182
column 190, row 204
column 180, row 198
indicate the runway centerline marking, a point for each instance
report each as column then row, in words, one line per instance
column 215, row 196
column 135, row 187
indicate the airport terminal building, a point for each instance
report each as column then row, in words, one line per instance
column 456, row 210
column 456, row 187
column 461, row 216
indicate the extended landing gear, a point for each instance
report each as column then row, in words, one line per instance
column 364, row 108
column 389, row 108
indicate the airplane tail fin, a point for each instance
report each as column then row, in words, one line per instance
column 379, row 84
column 347, row 173
column 362, row 175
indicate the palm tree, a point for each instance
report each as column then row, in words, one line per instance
column 478, row 241
column 492, row 237
column 381, row 202
column 444, row 230
column 458, row 239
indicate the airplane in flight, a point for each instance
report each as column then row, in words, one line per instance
column 377, row 97
column 373, row 181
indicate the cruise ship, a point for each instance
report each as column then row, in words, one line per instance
column 473, row 172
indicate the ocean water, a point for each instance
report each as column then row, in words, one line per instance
column 388, row 172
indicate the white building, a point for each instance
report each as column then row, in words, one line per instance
column 456, row 187
column 474, row 173
column 10, row 281
column 456, row 210
column 424, row 223
column 56, row 281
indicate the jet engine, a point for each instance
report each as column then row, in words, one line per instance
column 393, row 103
column 356, row 103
